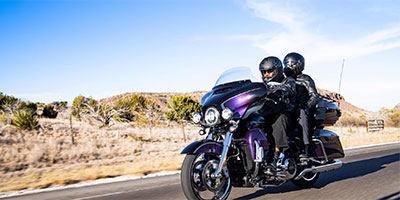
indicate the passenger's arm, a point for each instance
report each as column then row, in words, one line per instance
column 312, row 92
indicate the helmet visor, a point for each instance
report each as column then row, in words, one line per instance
column 291, row 63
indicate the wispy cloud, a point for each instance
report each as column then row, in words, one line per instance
column 299, row 35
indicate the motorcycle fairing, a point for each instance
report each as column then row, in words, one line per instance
column 237, row 96
column 203, row 146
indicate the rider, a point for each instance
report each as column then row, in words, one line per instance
column 307, row 95
column 283, row 90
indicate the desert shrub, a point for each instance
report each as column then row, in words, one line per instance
column 59, row 105
column 391, row 116
column 181, row 108
column 28, row 107
column 49, row 112
column 5, row 99
column 25, row 120
column 348, row 120
column 3, row 118
column 140, row 118
column 394, row 118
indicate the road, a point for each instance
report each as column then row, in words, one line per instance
column 367, row 173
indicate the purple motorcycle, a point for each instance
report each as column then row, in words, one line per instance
column 239, row 146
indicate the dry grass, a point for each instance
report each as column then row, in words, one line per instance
column 45, row 157
column 358, row 136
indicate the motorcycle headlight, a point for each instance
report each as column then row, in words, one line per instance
column 227, row 114
column 211, row 116
column 196, row 117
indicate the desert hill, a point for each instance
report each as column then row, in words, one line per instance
column 397, row 107
column 345, row 106
column 164, row 97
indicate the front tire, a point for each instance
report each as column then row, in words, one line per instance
column 192, row 178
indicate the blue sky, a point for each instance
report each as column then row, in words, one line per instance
column 56, row 50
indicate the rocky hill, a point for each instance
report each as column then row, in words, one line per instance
column 164, row 97
column 345, row 106
column 397, row 108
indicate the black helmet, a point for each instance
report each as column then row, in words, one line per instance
column 294, row 64
column 271, row 66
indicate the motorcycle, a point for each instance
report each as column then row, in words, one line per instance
column 239, row 147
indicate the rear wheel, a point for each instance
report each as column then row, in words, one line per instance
column 196, row 179
column 307, row 180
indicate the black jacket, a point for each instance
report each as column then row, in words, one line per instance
column 307, row 95
column 284, row 93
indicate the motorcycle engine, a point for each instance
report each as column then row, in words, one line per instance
column 286, row 168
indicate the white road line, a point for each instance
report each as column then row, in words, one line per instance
column 125, row 191
column 371, row 145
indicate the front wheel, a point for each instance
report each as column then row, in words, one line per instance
column 307, row 180
column 196, row 179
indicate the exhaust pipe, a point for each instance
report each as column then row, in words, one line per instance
column 336, row 164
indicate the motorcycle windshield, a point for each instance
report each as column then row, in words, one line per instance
column 236, row 74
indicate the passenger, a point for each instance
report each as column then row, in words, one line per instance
column 307, row 95
column 272, row 71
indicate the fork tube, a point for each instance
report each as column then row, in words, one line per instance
column 227, row 144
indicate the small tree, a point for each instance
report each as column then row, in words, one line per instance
column 153, row 113
column 104, row 113
column 180, row 110
column 134, row 107
column 78, row 106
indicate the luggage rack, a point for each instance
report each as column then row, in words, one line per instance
column 329, row 99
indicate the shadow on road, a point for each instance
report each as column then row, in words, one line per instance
column 347, row 171
column 393, row 196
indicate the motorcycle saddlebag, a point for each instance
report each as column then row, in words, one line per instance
column 326, row 113
column 331, row 144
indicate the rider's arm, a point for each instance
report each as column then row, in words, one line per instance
column 285, row 90
column 290, row 86
column 313, row 95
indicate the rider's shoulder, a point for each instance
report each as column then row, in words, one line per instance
column 290, row 78
column 304, row 77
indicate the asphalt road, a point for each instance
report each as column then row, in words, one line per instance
column 367, row 173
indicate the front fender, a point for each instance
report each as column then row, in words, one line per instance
column 203, row 146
